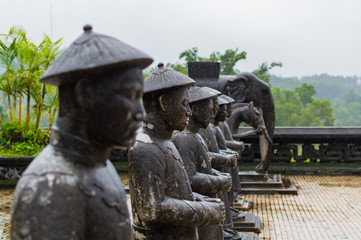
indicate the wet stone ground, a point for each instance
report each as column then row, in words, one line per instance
column 327, row 207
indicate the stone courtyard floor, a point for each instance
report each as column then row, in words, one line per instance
column 326, row 207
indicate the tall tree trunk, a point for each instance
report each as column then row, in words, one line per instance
column 40, row 108
column 27, row 119
column 20, row 96
column 10, row 111
column 51, row 119
column 14, row 110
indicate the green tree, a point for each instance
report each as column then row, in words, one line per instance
column 8, row 54
column 262, row 72
column 318, row 113
column 228, row 59
column 306, row 93
column 291, row 112
column 287, row 107
column 347, row 113
column 51, row 104
column 22, row 62
column 178, row 67
column 49, row 50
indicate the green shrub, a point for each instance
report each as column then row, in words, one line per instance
column 15, row 141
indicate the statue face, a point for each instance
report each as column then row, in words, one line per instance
column 229, row 110
column 202, row 112
column 177, row 110
column 116, row 110
column 222, row 113
column 215, row 106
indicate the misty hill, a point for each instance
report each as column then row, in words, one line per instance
column 326, row 86
column 344, row 92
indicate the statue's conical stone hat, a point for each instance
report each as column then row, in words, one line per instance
column 227, row 98
column 221, row 101
column 200, row 93
column 164, row 78
column 213, row 91
column 92, row 51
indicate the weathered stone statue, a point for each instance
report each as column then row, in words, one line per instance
column 219, row 160
column 194, row 152
column 216, row 154
column 71, row 190
column 244, row 88
column 222, row 145
column 163, row 204
column 246, row 112
column 223, row 125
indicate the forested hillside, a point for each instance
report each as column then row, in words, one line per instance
column 343, row 92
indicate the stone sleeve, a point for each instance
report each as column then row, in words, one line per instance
column 219, row 160
column 201, row 181
column 153, row 207
column 235, row 145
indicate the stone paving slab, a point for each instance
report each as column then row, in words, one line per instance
column 327, row 207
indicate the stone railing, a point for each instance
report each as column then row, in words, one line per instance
column 313, row 144
column 290, row 144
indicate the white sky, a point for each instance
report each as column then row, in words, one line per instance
column 307, row 36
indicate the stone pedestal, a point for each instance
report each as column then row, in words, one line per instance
column 264, row 183
column 251, row 223
column 242, row 204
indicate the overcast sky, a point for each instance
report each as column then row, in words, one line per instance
column 307, row 36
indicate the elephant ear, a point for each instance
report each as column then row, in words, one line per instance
column 236, row 88
column 250, row 105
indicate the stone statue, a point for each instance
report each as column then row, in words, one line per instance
column 244, row 88
column 163, row 204
column 246, row 112
column 225, row 139
column 211, row 138
column 219, row 159
column 223, row 125
column 222, row 145
column 70, row 190
column 194, row 152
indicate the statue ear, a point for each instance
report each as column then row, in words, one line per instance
column 250, row 105
column 83, row 93
column 162, row 103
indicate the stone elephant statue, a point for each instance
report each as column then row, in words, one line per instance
column 244, row 88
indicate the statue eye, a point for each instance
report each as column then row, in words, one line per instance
column 131, row 94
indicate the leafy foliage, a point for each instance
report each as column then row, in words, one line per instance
column 344, row 93
column 22, row 62
column 262, row 72
column 292, row 111
column 306, row 93
column 15, row 141
column 228, row 60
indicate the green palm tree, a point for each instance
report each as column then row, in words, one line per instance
column 49, row 51
column 51, row 104
column 8, row 62
column 30, row 57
